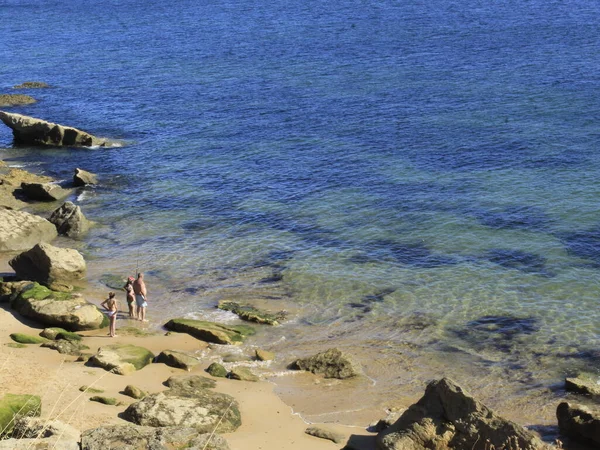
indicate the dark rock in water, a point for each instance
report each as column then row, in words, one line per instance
column 252, row 314
column 70, row 221
column 31, row 131
column 518, row 260
column 189, row 384
column 325, row 433
column 217, row 370
column 210, row 331
column 446, row 417
column 16, row 100
column 20, row 230
column 332, row 364
column 583, row 244
column 104, row 400
column 44, row 192
column 32, row 85
column 126, row 437
column 584, row 383
column 500, row 333
column 579, row 423
column 410, row 254
column 514, row 217
column 83, row 178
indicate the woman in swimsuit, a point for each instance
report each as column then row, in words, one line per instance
column 110, row 304
column 130, row 297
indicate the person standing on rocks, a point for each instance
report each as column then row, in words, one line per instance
column 139, row 287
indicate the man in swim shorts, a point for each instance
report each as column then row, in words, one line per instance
column 139, row 288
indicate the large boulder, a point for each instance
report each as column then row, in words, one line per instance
column 211, row 331
column 20, row 230
column 122, row 359
column 448, row 418
column 579, row 423
column 14, row 406
column 44, row 192
column 65, row 310
column 16, row 99
column 188, row 404
column 31, row 131
column 82, row 178
column 69, row 220
column 49, row 265
column 332, row 363
column 129, row 437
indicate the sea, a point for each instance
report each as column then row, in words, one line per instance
column 415, row 183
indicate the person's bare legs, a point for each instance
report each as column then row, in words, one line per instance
column 143, row 314
column 113, row 325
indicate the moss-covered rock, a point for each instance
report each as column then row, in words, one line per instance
column 22, row 338
column 217, row 370
column 91, row 390
column 134, row 392
column 13, row 406
column 16, row 345
column 242, row 374
column 332, row 363
column 263, row 355
column 66, row 347
column 177, row 359
column 56, row 333
column 116, row 282
column 104, row 400
column 252, row 314
column 211, row 331
column 122, row 359
column 32, row 85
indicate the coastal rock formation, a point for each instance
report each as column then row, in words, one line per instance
column 177, row 359
column 16, row 100
column 82, row 178
column 31, row 131
column 325, row 433
column 448, row 418
column 210, row 331
column 122, row 359
column 252, row 314
column 332, row 363
column 186, row 405
column 10, row 185
column 14, row 406
column 44, row 192
column 49, row 265
column 65, row 310
column 242, row 374
column 69, row 220
column 32, row 85
column 584, row 383
column 125, row 437
column 579, row 423
column 20, row 230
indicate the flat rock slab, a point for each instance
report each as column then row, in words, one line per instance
column 252, row 314
column 584, row 383
column 65, row 310
column 39, row 444
column 20, row 230
column 32, row 131
column 44, row 192
column 122, row 359
column 177, row 359
column 211, row 331
column 134, row 437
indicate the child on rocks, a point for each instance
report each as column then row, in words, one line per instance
column 110, row 304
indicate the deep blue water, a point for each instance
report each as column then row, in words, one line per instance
column 399, row 171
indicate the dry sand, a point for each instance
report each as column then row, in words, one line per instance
column 267, row 423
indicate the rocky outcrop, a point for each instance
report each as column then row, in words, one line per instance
column 44, row 192
column 65, row 310
column 11, row 195
column 177, row 359
column 210, row 331
column 60, row 334
column 82, row 178
column 448, row 418
column 70, row 221
column 122, row 359
column 579, row 423
column 16, row 100
column 20, row 230
column 32, row 85
column 127, row 437
column 332, row 363
column 12, row 407
column 31, row 131
column 49, row 265
column 584, row 383
column 184, row 404
column 252, row 314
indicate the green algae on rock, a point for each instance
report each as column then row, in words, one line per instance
column 122, row 359
column 91, row 390
column 104, row 400
column 242, row 374
column 22, row 338
column 217, row 370
column 332, row 363
column 134, row 392
column 13, row 406
column 252, row 314
column 211, row 331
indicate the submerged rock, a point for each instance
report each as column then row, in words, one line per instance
column 69, row 311
column 82, row 178
column 211, row 331
column 446, row 417
column 579, row 423
column 190, row 384
column 69, row 220
column 20, row 230
column 252, row 314
column 14, row 406
column 332, row 363
column 48, row 265
column 122, row 359
column 104, row 400
column 31, row 131
column 44, row 192
column 16, row 99
column 177, row 359
column 32, row 85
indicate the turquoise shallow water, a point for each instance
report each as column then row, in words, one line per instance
column 416, row 183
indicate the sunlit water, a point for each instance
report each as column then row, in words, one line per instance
column 416, row 183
